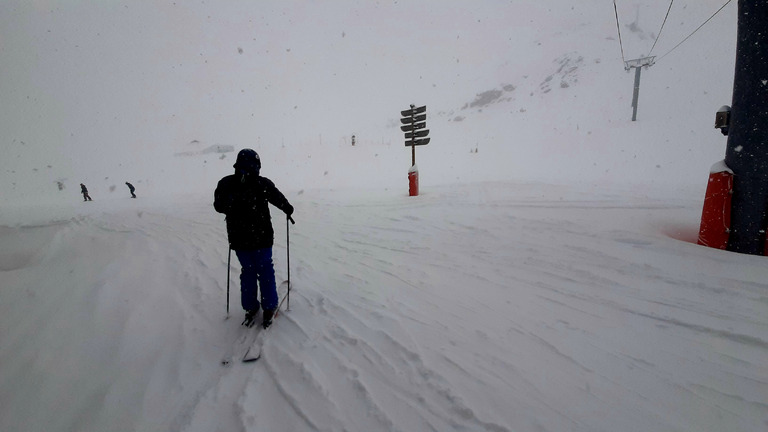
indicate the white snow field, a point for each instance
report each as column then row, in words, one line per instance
column 546, row 278
column 497, row 306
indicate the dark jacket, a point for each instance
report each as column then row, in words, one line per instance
column 245, row 199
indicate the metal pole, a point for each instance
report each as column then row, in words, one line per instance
column 288, row 259
column 636, row 94
column 413, row 139
column 638, row 64
column 229, row 260
column 747, row 150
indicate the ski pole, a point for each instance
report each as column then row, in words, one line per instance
column 229, row 260
column 288, row 258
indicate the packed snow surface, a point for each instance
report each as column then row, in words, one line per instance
column 498, row 306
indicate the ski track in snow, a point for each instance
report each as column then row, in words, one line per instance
column 496, row 307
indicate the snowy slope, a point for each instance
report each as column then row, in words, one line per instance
column 499, row 306
column 497, row 300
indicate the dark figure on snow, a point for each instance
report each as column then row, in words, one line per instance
column 84, row 191
column 244, row 197
column 131, row 188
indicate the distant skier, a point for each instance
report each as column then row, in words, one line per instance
column 84, row 191
column 131, row 188
column 244, row 197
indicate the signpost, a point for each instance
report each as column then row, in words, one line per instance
column 414, row 123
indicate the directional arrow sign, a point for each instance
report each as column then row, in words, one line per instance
column 412, row 111
column 424, row 141
column 418, row 118
column 412, row 127
column 417, row 134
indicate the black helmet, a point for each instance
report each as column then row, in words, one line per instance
column 248, row 161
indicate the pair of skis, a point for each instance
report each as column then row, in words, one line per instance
column 253, row 339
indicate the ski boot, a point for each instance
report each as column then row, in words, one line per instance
column 268, row 315
column 250, row 317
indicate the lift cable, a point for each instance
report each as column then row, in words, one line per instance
column 662, row 27
column 618, row 28
column 697, row 29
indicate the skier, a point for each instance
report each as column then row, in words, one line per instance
column 244, row 197
column 84, row 191
column 131, row 188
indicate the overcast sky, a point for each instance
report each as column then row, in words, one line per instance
column 120, row 84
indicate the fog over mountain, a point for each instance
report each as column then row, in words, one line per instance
column 158, row 93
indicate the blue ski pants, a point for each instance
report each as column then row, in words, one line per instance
column 257, row 272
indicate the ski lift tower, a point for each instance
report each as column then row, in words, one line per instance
column 637, row 64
